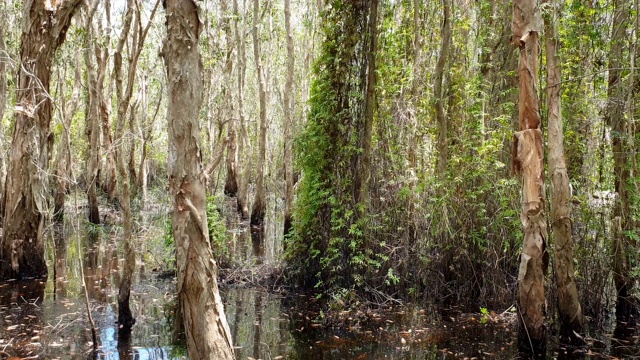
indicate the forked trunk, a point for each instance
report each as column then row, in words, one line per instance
column 206, row 328
column 528, row 160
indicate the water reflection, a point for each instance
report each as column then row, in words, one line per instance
column 49, row 319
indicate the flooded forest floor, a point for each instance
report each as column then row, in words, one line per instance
column 48, row 319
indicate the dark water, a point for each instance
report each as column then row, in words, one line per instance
column 47, row 320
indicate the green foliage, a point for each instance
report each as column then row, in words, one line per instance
column 169, row 245
column 217, row 230
column 329, row 233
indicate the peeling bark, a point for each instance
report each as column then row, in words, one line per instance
column 22, row 251
column 206, row 328
column 569, row 309
column 528, row 161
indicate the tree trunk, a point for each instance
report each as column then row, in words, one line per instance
column 363, row 176
column 22, row 251
column 3, row 103
column 206, row 328
column 123, row 98
column 259, row 202
column 288, row 121
column 125, row 318
column 614, row 116
column 441, row 119
column 568, row 302
column 528, row 160
column 245, row 144
column 63, row 160
column 231, row 183
column 95, row 84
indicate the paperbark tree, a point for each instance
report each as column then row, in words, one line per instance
column 231, row 183
column 44, row 29
column 363, row 176
column 259, row 202
column 623, row 244
column 3, row 103
column 63, row 159
column 569, row 309
column 123, row 98
column 288, row 121
column 441, row 119
column 528, row 161
column 245, row 142
column 95, row 83
column 125, row 318
column 206, row 328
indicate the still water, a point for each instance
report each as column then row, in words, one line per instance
column 48, row 319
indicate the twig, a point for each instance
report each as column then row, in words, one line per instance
column 86, row 301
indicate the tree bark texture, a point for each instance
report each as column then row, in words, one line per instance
column 615, row 117
column 569, row 308
column 288, row 121
column 206, row 328
column 259, row 202
column 95, row 83
column 529, row 161
column 44, row 30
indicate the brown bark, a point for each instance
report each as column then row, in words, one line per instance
column 569, row 309
column 528, row 160
column 206, row 328
column 288, row 121
column 614, row 117
column 441, row 119
column 259, row 202
column 44, row 30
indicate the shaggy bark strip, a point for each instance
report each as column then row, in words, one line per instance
column 206, row 328
column 528, row 161
column 44, row 30
column 568, row 302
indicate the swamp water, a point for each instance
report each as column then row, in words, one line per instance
column 48, row 319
